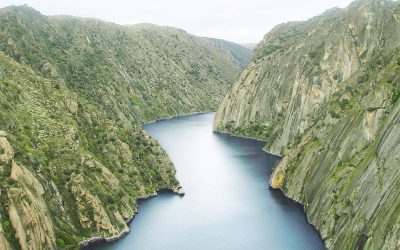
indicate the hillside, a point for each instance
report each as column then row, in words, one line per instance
column 155, row 72
column 324, row 94
column 239, row 54
column 74, row 94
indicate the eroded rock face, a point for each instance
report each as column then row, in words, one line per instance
column 327, row 92
column 27, row 209
column 7, row 152
column 299, row 66
column 5, row 156
column 3, row 242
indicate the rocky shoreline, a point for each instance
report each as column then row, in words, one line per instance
column 98, row 239
column 278, row 189
column 304, row 211
column 243, row 137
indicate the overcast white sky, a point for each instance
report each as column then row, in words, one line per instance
column 241, row 21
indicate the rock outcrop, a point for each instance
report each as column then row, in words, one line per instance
column 324, row 93
column 6, row 154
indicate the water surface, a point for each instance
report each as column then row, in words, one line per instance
column 227, row 205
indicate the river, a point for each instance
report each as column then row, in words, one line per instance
column 227, row 205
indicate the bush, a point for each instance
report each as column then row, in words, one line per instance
column 395, row 96
column 60, row 243
column 338, row 77
column 334, row 114
column 6, row 225
column 343, row 104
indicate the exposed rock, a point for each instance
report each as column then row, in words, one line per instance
column 125, row 150
column 7, row 150
column 4, row 243
column 326, row 93
column 28, row 212
column 72, row 105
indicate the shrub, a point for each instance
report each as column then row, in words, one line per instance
column 343, row 103
column 334, row 114
column 6, row 225
column 60, row 243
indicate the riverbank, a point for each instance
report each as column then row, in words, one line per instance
column 99, row 239
column 243, row 137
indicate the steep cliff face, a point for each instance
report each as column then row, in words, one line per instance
column 74, row 94
column 299, row 65
column 324, row 93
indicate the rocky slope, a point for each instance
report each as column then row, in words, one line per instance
column 74, row 94
column 324, row 93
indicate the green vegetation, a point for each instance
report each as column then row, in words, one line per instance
column 74, row 94
column 252, row 130
column 6, row 226
column 154, row 72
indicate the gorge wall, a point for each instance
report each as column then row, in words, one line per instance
column 324, row 94
column 74, row 94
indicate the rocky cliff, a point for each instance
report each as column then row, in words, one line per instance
column 324, row 93
column 74, row 94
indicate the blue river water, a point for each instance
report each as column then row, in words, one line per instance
column 227, row 205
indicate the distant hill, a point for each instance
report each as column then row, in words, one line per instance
column 238, row 54
column 250, row 46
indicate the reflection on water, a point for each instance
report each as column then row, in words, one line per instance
column 227, row 205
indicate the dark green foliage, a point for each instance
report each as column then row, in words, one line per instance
column 271, row 48
column 6, row 225
column 343, row 103
column 334, row 114
column 316, row 53
column 252, row 130
column 338, row 77
column 60, row 243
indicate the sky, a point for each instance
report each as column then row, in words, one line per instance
column 240, row 21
